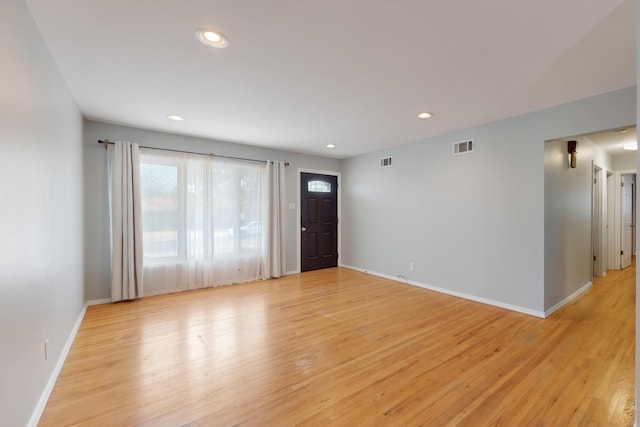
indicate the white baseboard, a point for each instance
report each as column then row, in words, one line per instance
column 474, row 298
column 98, row 301
column 44, row 397
column 566, row 301
column 291, row 273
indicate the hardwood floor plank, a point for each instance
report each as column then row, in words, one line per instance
column 339, row 347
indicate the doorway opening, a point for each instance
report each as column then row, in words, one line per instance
column 628, row 223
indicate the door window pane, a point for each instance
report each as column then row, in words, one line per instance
column 319, row 186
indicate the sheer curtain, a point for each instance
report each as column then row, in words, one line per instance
column 204, row 221
column 126, row 230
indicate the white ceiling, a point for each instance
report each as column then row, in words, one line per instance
column 299, row 74
column 612, row 141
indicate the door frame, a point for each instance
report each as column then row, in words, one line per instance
column 599, row 221
column 298, row 233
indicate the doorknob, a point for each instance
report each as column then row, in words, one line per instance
column 303, row 228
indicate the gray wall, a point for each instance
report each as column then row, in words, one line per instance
column 567, row 218
column 637, row 214
column 97, row 267
column 472, row 224
column 41, row 289
column 625, row 162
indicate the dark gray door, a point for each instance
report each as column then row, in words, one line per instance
column 319, row 221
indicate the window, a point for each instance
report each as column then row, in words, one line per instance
column 201, row 221
column 196, row 208
column 159, row 183
column 319, row 187
column 205, row 221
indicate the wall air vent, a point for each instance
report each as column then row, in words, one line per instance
column 385, row 163
column 463, row 147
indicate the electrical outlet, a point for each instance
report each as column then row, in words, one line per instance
column 46, row 349
column 412, row 267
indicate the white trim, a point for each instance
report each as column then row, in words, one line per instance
column 291, row 273
column 567, row 300
column 474, row 298
column 44, row 397
column 299, row 225
column 98, row 302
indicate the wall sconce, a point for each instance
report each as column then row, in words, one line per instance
column 571, row 148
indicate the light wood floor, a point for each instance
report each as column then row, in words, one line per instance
column 341, row 348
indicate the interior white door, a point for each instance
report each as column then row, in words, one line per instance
column 627, row 220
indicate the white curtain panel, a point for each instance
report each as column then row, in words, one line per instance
column 126, row 228
column 203, row 221
column 275, row 258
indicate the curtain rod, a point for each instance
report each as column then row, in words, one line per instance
column 106, row 142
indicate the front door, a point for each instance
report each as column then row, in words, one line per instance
column 319, row 221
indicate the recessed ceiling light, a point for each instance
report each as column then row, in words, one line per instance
column 425, row 115
column 620, row 131
column 212, row 38
column 175, row 118
column 631, row 145
column 330, row 146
